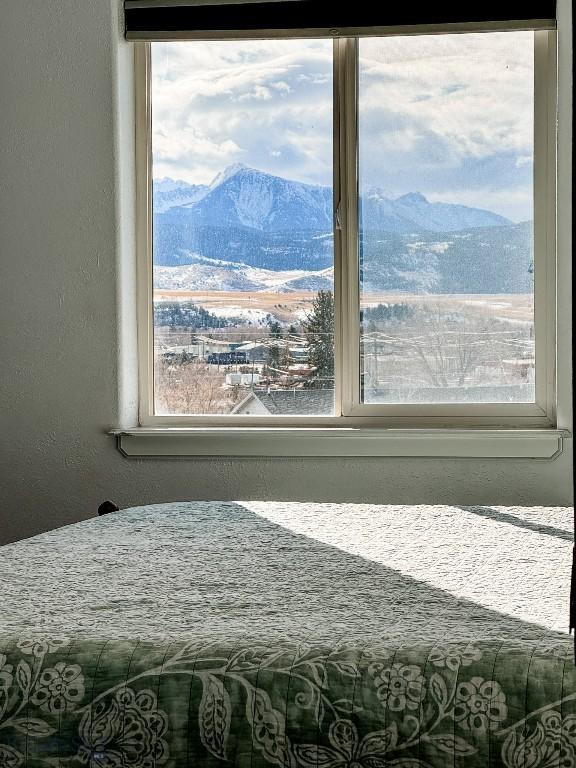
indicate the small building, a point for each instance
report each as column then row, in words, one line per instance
column 208, row 346
column 242, row 379
column 182, row 352
column 255, row 351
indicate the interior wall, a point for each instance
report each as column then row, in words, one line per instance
column 66, row 311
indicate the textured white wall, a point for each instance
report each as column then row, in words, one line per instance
column 66, row 320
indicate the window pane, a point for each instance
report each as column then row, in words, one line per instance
column 446, row 156
column 243, row 242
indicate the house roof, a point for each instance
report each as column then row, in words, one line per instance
column 295, row 402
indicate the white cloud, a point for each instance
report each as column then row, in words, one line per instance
column 259, row 92
column 445, row 115
column 240, row 102
column 516, row 203
column 281, row 86
column 474, row 91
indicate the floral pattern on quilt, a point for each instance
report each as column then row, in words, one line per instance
column 127, row 730
column 551, row 742
column 125, row 704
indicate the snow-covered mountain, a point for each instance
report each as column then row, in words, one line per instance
column 489, row 260
column 414, row 213
column 204, row 274
column 168, row 193
column 244, row 197
column 477, row 260
column 252, row 231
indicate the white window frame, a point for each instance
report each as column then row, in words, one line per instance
column 354, row 414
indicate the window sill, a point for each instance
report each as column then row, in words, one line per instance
column 143, row 442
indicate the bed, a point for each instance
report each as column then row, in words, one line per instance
column 290, row 634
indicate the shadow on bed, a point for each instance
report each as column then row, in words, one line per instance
column 220, row 569
column 504, row 517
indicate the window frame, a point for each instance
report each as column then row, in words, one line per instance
column 354, row 414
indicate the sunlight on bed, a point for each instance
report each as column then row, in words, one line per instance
column 514, row 560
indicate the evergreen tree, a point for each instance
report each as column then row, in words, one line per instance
column 285, row 359
column 319, row 330
column 275, row 329
column 273, row 351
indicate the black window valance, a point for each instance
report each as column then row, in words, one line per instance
column 208, row 19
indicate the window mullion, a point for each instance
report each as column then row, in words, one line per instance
column 143, row 138
column 348, row 346
column 337, row 103
column 544, row 216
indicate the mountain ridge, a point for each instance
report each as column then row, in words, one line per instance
column 248, row 226
column 241, row 196
column 492, row 261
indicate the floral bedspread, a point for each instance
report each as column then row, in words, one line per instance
column 489, row 689
column 143, row 705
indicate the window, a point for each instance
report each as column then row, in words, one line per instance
column 348, row 232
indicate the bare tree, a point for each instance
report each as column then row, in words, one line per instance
column 192, row 388
column 451, row 349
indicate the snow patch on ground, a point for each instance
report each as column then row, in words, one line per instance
column 429, row 247
column 254, row 316
column 217, row 275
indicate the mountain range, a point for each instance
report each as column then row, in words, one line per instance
column 244, row 197
column 247, row 225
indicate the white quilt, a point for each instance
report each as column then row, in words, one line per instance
column 246, row 568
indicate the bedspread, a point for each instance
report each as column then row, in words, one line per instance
column 295, row 635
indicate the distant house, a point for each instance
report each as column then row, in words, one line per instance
column 296, row 402
column 255, row 350
column 182, row 352
column 210, row 346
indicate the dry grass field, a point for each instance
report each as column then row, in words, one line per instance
column 290, row 307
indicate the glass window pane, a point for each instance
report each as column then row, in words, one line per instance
column 446, row 154
column 243, row 243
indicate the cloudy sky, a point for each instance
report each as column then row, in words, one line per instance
column 449, row 116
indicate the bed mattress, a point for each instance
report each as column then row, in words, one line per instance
column 291, row 634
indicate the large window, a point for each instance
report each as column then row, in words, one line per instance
column 354, row 231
